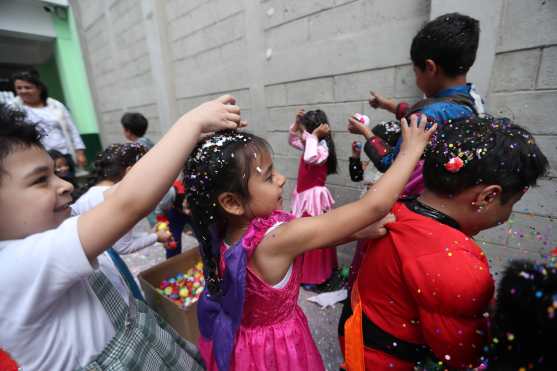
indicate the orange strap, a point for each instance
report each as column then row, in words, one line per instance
column 353, row 335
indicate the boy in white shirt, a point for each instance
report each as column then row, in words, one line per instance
column 52, row 316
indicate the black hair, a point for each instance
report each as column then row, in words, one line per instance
column 491, row 150
column 111, row 164
column 55, row 155
column 311, row 121
column 219, row 163
column 16, row 133
column 450, row 40
column 135, row 123
column 525, row 320
column 33, row 78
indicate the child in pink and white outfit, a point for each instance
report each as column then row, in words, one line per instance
column 310, row 133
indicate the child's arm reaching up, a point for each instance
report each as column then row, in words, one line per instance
column 295, row 132
column 152, row 176
column 280, row 247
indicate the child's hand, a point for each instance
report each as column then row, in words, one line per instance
column 186, row 207
column 356, row 127
column 299, row 116
column 322, row 131
column 356, row 149
column 376, row 229
column 378, row 101
column 415, row 136
column 218, row 114
column 298, row 121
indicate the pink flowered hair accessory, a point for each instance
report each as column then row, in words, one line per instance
column 454, row 165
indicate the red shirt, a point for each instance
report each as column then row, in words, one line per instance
column 426, row 283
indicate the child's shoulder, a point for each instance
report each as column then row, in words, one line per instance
column 259, row 227
column 66, row 230
column 53, row 248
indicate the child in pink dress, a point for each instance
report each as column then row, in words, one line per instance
column 310, row 133
column 248, row 314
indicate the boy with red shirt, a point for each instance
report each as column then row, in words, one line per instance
column 423, row 289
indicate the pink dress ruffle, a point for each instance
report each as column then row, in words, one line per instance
column 314, row 201
column 271, row 336
column 318, row 264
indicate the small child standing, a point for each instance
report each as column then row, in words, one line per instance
column 442, row 52
column 135, row 126
column 310, row 134
column 171, row 210
column 63, row 170
column 248, row 314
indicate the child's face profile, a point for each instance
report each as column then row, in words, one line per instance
column 32, row 198
column 265, row 187
column 495, row 212
column 502, row 211
column 424, row 81
column 127, row 134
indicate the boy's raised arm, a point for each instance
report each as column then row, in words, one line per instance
column 146, row 183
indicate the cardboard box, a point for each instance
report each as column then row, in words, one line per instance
column 184, row 321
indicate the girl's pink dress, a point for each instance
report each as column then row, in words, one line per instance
column 274, row 332
column 312, row 198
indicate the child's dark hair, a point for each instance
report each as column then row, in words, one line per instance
column 525, row 320
column 111, row 164
column 135, row 123
column 219, row 163
column 55, row 155
column 15, row 133
column 450, row 40
column 33, row 78
column 311, row 121
column 490, row 150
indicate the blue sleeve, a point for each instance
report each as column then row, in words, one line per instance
column 439, row 113
column 389, row 158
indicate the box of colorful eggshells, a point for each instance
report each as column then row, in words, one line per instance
column 172, row 289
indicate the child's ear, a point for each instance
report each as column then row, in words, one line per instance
column 231, row 203
column 431, row 68
column 487, row 196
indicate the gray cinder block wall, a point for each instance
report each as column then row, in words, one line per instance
column 276, row 56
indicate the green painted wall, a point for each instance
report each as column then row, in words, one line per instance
column 76, row 91
column 72, row 74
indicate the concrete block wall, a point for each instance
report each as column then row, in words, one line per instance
column 277, row 56
column 114, row 41
column 523, row 87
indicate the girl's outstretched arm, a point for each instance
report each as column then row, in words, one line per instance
column 295, row 132
column 278, row 249
column 145, row 184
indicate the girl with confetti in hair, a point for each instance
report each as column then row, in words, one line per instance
column 310, row 133
column 248, row 314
